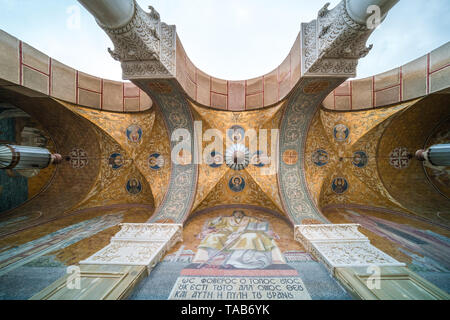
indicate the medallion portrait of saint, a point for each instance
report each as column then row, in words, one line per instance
column 237, row 184
column 236, row 134
column 360, row 159
column 116, row 161
column 134, row 186
column 339, row 185
column 341, row 132
column 237, row 241
column 215, row 159
column 320, row 158
column 156, row 161
column 134, row 133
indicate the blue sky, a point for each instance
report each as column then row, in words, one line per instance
column 233, row 39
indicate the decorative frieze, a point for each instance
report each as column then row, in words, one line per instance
column 142, row 244
column 148, row 232
column 353, row 254
column 341, row 245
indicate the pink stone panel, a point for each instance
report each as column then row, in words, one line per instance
column 254, row 86
column 130, row 90
column 145, row 102
column 362, row 94
column 203, row 88
column 191, row 70
column 329, row 101
column 271, row 88
column 35, row 59
column 284, row 87
column 254, row 101
column 88, row 82
column 415, row 79
column 219, row 86
column 387, row 97
column 64, row 82
column 296, row 62
column 343, row 103
column 236, row 95
column 387, row 79
column 284, row 70
column 89, row 99
column 113, row 96
column 9, row 58
column 191, row 88
column 131, row 104
column 218, row 101
column 440, row 58
column 440, row 80
column 35, row 80
column 343, row 89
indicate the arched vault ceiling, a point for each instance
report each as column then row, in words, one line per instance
column 110, row 186
column 406, row 181
column 439, row 177
column 208, row 177
column 111, row 183
column 376, row 180
column 261, row 188
column 359, row 123
column 364, row 133
column 251, row 195
column 318, row 140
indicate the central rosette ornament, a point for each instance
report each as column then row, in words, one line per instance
column 237, row 157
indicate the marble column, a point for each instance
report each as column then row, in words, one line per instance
column 359, row 10
column 110, row 13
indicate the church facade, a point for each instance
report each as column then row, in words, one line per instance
column 299, row 184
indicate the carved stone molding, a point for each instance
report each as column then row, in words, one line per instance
column 148, row 232
column 353, row 254
column 329, row 232
column 342, row 245
column 333, row 43
column 142, row 244
column 145, row 46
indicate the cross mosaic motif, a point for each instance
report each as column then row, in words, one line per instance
column 78, row 158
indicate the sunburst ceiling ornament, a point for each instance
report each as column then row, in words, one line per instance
column 237, row 157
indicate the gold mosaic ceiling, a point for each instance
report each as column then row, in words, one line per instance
column 342, row 159
column 220, row 184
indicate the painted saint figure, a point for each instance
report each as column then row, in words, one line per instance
column 236, row 184
column 238, row 241
column 134, row 186
column 320, row 158
column 236, row 134
column 360, row 159
column 341, row 132
column 134, row 133
column 116, row 161
column 339, row 185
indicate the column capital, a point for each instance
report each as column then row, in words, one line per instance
column 145, row 46
column 333, row 43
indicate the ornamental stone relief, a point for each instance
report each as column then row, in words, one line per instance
column 341, row 246
column 333, row 43
column 145, row 46
column 138, row 244
column 354, row 254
